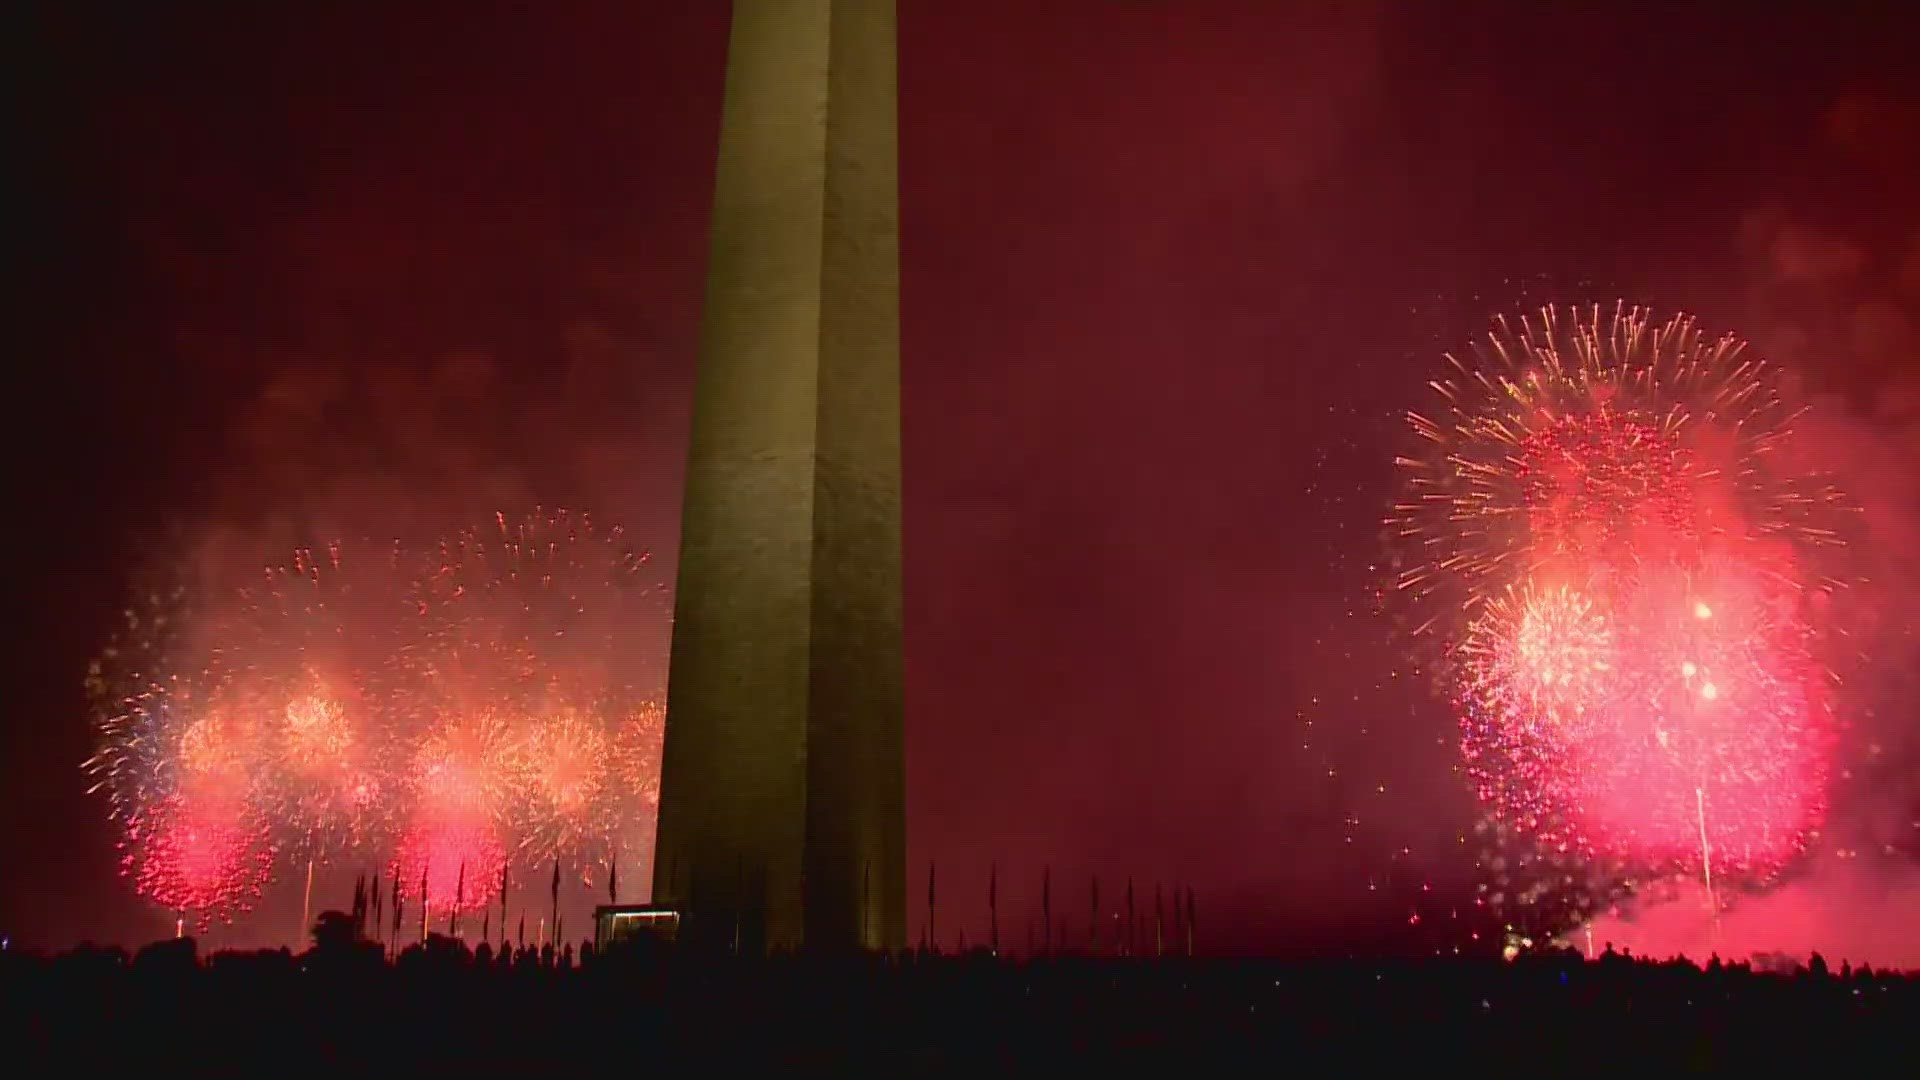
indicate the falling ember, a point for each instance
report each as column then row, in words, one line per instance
column 1631, row 644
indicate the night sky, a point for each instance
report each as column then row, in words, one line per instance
column 1172, row 271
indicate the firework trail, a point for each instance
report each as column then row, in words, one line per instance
column 1627, row 582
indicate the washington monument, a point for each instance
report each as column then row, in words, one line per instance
column 781, row 812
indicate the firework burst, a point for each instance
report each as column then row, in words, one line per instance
column 1604, row 538
column 475, row 699
column 454, row 859
column 636, row 754
column 466, row 767
column 197, row 855
column 551, row 586
column 570, row 808
column 1574, row 442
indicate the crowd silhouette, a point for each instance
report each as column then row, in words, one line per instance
column 440, row 1007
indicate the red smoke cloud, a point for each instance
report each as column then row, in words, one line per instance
column 1834, row 293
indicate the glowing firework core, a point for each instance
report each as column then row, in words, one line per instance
column 317, row 736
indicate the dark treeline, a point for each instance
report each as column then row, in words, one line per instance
column 441, row 1009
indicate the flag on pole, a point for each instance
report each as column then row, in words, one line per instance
column 503, row 902
column 613, row 878
column 459, row 900
column 378, row 908
column 933, row 931
column 426, row 901
column 523, row 930
column 556, row 899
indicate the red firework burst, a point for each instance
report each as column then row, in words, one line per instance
column 456, row 859
column 197, row 856
column 447, row 704
column 1635, row 669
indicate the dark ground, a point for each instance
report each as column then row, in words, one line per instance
column 444, row 1009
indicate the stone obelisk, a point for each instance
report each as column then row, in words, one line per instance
column 782, row 797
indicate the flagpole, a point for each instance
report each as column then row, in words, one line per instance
column 1093, row 917
column 1159, row 924
column 1131, row 922
column 459, row 901
column 993, row 906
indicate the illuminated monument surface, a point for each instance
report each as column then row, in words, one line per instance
column 781, row 815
